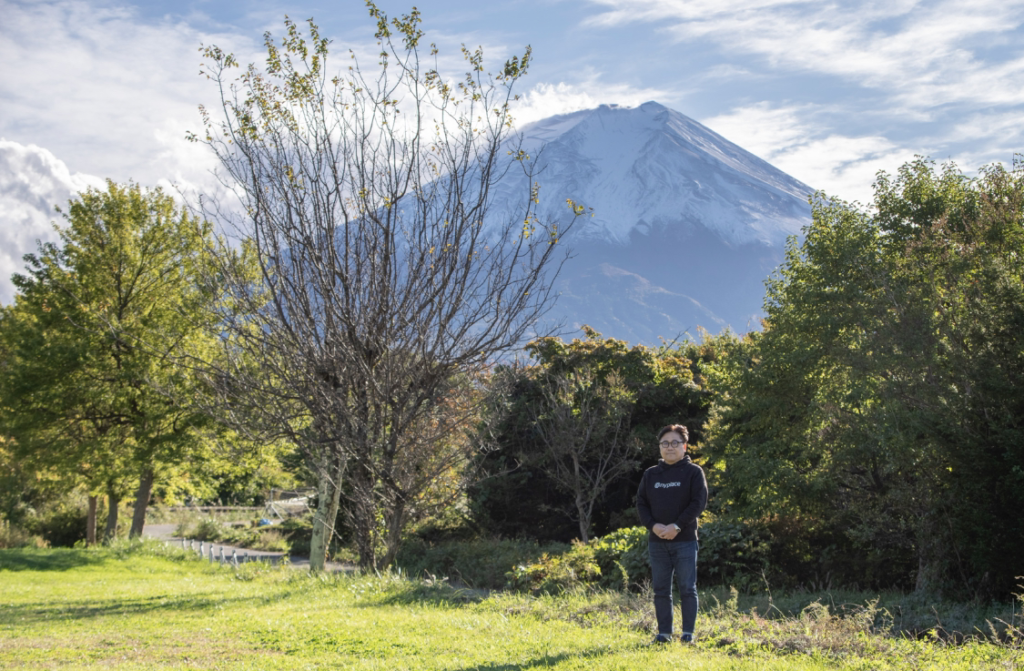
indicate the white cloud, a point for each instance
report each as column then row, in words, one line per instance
column 32, row 182
column 107, row 92
column 545, row 100
column 896, row 79
column 110, row 95
column 924, row 53
column 789, row 139
column 983, row 126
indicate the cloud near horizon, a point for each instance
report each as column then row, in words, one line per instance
column 841, row 165
column 32, row 183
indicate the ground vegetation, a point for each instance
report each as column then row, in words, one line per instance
column 148, row 606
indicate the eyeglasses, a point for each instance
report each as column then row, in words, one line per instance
column 667, row 444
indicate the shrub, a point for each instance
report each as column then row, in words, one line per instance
column 270, row 540
column 207, row 530
column 622, row 557
column 615, row 561
column 478, row 563
column 553, row 574
column 298, row 532
column 733, row 553
column 60, row 526
column 12, row 536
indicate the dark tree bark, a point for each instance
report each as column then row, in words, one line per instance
column 113, row 501
column 90, row 521
column 141, row 503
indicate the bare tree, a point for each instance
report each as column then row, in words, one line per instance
column 583, row 423
column 381, row 275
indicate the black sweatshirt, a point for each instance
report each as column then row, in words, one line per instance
column 672, row 494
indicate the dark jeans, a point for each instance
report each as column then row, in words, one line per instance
column 679, row 558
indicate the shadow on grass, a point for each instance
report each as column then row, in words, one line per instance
column 56, row 559
column 30, row 613
column 543, row 661
column 435, row 595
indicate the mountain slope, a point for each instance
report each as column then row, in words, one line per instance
column 686, row 225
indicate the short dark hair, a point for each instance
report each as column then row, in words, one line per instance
column 678, row 428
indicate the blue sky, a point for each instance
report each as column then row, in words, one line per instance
column 830, row 92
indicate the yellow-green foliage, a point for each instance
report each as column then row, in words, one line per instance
column 260, row 538
column 618, row 560
column 731, row 553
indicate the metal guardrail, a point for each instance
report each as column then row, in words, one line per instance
column 211, row 509
column 205, row 549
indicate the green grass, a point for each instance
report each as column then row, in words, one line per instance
column 151, row 607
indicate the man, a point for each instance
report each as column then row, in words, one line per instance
column 670, row 498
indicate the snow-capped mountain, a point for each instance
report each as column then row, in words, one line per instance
column 686, row 225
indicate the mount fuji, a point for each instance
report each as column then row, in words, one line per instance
column 686, row 225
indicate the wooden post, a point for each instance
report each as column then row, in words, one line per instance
column 221, row 555
column 202, row 548
column 234, row 558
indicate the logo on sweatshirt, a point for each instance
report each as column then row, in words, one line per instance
column 662, row 485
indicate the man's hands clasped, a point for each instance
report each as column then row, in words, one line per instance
column 665, row 531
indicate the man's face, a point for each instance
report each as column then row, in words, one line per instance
column 672, row 446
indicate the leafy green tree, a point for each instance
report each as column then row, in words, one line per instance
column 93, row 384
column 582, row 423
column 881, row 401
column 571, row 429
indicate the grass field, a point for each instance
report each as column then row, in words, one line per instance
column 149, row 607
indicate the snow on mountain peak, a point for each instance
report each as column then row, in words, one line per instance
column 651, row 168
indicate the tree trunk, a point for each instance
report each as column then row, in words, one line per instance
column 362, row 511
column 364, row 527
column 394, row 540
column 931, row 544
column 332, row 512
column 141, row 503
column 923, row 585
column 113, row 500
column 584, row 514
column 328, row 500
column 90, row 521
column 318, row 541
